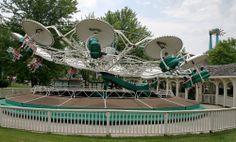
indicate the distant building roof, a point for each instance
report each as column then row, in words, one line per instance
column 222, row 70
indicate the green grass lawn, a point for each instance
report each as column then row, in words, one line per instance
column 12, row 135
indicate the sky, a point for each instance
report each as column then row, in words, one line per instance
column 189, row 20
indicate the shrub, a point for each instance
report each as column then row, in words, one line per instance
column 4, row 83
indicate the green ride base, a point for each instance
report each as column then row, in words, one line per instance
column 99, row 116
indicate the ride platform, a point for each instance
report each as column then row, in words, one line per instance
column 68, row 102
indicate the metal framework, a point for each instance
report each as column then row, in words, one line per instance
column 77, row 55
column 86, row 91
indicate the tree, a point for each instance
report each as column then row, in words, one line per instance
column 223, row 53
column 47, row 12
column 127, row 21
column 5, row 42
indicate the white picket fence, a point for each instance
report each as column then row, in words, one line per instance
column 117, row 122
column 113, row 122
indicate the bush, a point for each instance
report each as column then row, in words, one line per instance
column 4, row 83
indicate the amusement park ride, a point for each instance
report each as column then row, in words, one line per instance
column 93, row 52
column 217, row 32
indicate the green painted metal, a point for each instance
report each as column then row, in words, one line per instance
column 210, row 41
column 196, row 78
column 126, row 84
column 217, row 32
column 94, row 48
column 171, row 61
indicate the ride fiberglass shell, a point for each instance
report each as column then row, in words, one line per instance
column 196, row 78
column 171, row 62
column 126, row 84
column 94, row 48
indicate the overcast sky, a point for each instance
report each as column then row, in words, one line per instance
column 190, row 20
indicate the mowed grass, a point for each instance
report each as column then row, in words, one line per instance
column 13, row 135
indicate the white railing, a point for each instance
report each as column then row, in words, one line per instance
column 181, row 95
column 164, row 93
column 221, row 100
column 117, row 122
column 14, row 91
column 208, row 98
column 229, row 101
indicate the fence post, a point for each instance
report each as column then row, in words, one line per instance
column 211, row 113
column 108, row 123
column 12, row 91
column 1, row 117
column 49, row 121
column 165, row 122
column 234, row 117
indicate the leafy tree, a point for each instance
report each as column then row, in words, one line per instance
column 223, row 53
column 127, row 21
column 47, row 12
column 90, row 76
column 5, row 42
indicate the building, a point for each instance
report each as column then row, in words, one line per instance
column 220, row 89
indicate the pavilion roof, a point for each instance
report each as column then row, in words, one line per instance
column 222, row 70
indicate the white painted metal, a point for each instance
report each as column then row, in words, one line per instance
column 77, row 55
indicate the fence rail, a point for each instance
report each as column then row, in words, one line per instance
column 117, row 122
